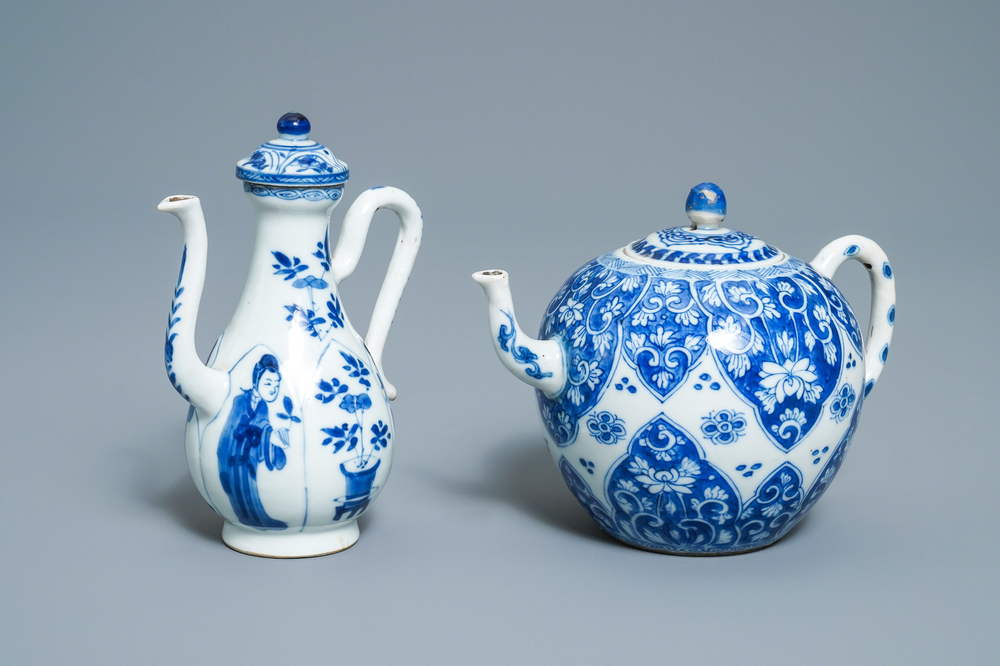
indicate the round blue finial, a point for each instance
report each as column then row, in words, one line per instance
column 706, row 206
column 293, row 126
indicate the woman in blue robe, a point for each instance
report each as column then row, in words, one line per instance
column 246, row 442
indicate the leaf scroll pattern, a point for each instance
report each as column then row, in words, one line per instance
column 585, row 314
column 508, row 342
column 171, row 335
column 777, row 333
column 664, row 495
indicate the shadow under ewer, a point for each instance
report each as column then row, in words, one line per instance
column 185, row 505
column 157, row 477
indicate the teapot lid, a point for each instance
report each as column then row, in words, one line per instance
column 705, row 242
column 292, row 160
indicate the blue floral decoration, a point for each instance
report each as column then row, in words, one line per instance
column 780, row 334
column 724, row 426
column 380, row 435
column 341, row 436
column 606, row 427
column 842, row 403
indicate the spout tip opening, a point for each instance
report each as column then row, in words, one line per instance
column 483, row 277
column 176, row 201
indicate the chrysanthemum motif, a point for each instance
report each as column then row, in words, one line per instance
column 791, row 379
column 724, row 426
column 606, row 427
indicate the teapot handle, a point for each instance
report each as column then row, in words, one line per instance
column 883, row 314
column 350, row 245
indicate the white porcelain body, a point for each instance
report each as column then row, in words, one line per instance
column 290, row 436
column 700, row 409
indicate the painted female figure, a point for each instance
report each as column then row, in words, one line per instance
column 247, row 440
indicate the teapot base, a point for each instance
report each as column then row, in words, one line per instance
column 689, row 553
column 311, row 542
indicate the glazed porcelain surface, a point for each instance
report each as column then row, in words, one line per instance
column 289, row 436
column 699, row 388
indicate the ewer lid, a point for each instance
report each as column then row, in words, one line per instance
column 705, row 242
column 293, row 159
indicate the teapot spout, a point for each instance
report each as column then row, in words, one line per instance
column 540, row 363
column 203, row 387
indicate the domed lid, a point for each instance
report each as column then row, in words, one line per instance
column 292, row 160
column 705, row 242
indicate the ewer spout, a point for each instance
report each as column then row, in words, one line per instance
column 540, row 363
column 203, row 387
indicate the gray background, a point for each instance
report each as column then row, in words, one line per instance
column 534, row 136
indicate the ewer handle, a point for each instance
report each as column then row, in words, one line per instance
column 351, row 244
column 883, row 313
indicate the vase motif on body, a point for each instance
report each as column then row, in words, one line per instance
column 292, row 397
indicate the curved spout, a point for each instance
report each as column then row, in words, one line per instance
column 539, row 363
column 203, row 387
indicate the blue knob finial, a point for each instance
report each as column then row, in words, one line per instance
column 706, row 206
column 293, row 126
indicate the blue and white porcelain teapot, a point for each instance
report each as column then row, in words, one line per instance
column 698, row 387
column 289, row 435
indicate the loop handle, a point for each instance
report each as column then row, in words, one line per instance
column 883, row 313
column 351, row 244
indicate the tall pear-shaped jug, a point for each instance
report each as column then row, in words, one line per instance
column 289, row 436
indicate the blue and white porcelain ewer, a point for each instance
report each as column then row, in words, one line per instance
column 698, row 387
column 289, row 435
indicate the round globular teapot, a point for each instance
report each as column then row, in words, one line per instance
column 699, row 388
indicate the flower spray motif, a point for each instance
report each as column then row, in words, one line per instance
column 315, row 322
column 351, row 435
